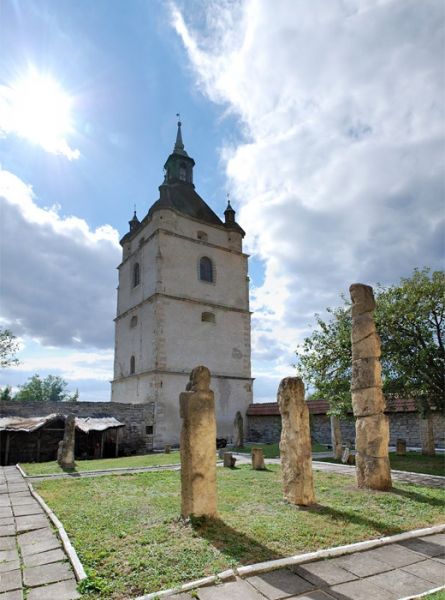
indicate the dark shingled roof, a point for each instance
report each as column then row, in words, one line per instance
column 183, row 198
column 321, row 407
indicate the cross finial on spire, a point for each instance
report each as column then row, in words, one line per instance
column 179, row 145
column 229, row 206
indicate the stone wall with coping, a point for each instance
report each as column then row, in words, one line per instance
column 267, row 429
column 134, row 438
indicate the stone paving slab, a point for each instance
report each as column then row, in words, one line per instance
column 361, row 589
column 16, row 595
column 234, row 590
column 38, row 547
column 280, row 584
column 6, row 521
column 6, row 511
column 324, row 573
column 426, row 548
column 43, row 574
column 21, row 500
column 27, row 509
column 7, row 530
column 7, row 543
column 65, row 590
column 31, row 522
column 10, row 565
column 400, row 583
column 11, row 554
column 395, row 555
column 430, row 570
column 11, row 581
column 361, row 564
column 44, row 558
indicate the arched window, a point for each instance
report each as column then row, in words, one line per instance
column 132, row 365
column 136, row 274
column 206, row 269
column 208, row 317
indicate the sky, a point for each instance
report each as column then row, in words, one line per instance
column 323, row 120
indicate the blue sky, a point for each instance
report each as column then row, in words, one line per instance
column 325, row 122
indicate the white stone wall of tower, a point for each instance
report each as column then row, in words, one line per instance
column 170, row 338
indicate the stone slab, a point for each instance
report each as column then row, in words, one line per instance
column 20, row 500
column 7, row 530
column 15, row 595
column 6, row 521
column 11, row 581
column 235, row 590
column 5, row 511
column 11, row 554
column 431, row 570
column 323, row 573
column 38, row 541
column 44, row 558
column 280, row 584
column 362, row 589
column 395, row 555
column 316, row 595
column 361, row 564
column 7, row 543
column 436, row 538
column 179, row 597
column 18, row 487
column 27, row 509
column 64, row 590
column 10, row 565
column 31, row 522
column 423, row 547
column 43, row 574
column 400, row 583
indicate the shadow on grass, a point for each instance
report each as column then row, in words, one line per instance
column 418, row 497
column 232, row 543
column 358, row 519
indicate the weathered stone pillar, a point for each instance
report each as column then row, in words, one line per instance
column 295, row 443
column 239, row 430
column 198, row 446
column 336, row 440
column 368, row 404
column 258, row 459
column 427, row 435
column 65, row 454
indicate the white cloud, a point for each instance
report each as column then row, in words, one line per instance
column 340, row 174
column 58, row 275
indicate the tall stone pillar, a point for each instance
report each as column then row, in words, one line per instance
column 198, row 446
column 66, row 456
column 295, row 443
column 427, row 435
column 336, row 439
column 239, row 430
column 368, row 404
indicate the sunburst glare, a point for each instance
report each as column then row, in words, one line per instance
column 35, row 107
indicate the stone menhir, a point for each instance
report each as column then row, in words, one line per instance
column 258, row 459
column 198, row 446
column 368, row 404
column 427, row 434
column 239, row 430
column 65, row 455
column 336, row 439
column 400, row 447
column 295, row 443
column 229, row 460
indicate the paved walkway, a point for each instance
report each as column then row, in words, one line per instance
column 31, row 555
column 390, row 572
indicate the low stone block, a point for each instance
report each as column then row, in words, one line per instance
column 400, row 447
column 372, row 435
column 368, row 401
column 366, row 373
column 258, row 459
column 373, row 473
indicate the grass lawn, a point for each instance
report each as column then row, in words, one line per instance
column 436, row 596
column 147, row 460
column 273, row 450
column 128, row 535
column 414, row 462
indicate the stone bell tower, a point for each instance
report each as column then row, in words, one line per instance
column 183, row 301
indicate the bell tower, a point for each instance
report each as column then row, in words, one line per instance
column 183, row 301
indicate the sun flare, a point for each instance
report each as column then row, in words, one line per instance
column 38, row 109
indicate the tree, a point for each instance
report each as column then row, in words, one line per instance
column 410, row 319
column 5, row 394
column 8, row 347
column 50, row 389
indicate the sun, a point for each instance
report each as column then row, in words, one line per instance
column 40, row 111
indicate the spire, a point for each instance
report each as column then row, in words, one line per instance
column 229, row 213
column 179, row 144
column 134, row 222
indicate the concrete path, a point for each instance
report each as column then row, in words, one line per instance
column 32, row 559
column 389, row 572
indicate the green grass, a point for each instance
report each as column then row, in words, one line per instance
column 273, row 450
column 128, row 535
column 146, row 460
column 413, row 462
column 436, row 596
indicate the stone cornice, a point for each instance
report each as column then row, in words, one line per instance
column 153, row 296
column 183, row 372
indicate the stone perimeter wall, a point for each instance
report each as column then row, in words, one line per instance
column 134, row 439
column 267, row 429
